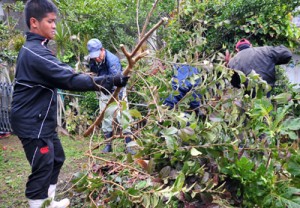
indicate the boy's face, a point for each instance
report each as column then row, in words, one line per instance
column 46, row 27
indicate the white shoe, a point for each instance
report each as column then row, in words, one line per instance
column 51, row 191
column 60, row 204
column 36, row 203
column 56, row 204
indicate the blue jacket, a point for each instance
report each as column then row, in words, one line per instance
column 111, row 65
column 181, row 82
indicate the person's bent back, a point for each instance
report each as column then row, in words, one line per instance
column 262, row 60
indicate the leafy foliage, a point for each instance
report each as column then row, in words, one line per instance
column 240, row 152
column 11, row 41
column 111, row 21
column 217, row 25
column 236, row 154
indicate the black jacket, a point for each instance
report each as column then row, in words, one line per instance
column 38, row 75
column 262, row 60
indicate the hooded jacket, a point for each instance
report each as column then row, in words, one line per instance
column 38, row 75
column 262, row 60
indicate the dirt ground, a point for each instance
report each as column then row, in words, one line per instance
column 14, row 170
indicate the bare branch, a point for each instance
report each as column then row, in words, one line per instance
column 148, row 19
column 147, row 35
column 119, row 164
column 137, row 17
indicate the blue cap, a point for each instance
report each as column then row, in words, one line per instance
column 94, row 47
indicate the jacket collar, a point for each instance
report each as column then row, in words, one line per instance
column 35, row 37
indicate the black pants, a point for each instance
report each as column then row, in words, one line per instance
column 46, row 157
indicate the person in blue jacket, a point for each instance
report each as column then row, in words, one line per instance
column 104, row 63
column 181, row 82
column 34, row 107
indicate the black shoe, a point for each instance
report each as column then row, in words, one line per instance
column 130, row 151
column 107, row 149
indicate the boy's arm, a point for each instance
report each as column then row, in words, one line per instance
column 47, row 70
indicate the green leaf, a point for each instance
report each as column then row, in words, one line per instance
column 289, row 197
column 195, row 152
column 171, row 143
column 133, row 192
column 179, row 182
column 142, row 184
column 293, row 165
column 154, row 200
column 125, row 119
column 165, row 172
column 292, row 124
column 209, row 135
column 283, row 98
column 151, row 166
column 292, row 135
column 146, row 201
column 245, row 164
column 171, row 131
column 135, row 113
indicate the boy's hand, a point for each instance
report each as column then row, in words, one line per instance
column 120, row 81
column 106, row 83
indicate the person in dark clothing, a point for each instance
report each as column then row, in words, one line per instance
column 260, row 59
column 181, row 82
column 104, row 63
column 34, row 107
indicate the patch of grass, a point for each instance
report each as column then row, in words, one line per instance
column 15, row 169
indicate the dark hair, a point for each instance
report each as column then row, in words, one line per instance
column 38, row 9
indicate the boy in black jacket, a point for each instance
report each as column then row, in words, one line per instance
column 33, row 116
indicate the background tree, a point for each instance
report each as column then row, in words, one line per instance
column 113, row 22
column 218, row 25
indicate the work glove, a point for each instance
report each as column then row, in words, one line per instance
column 106, row 83
column 120, row 81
